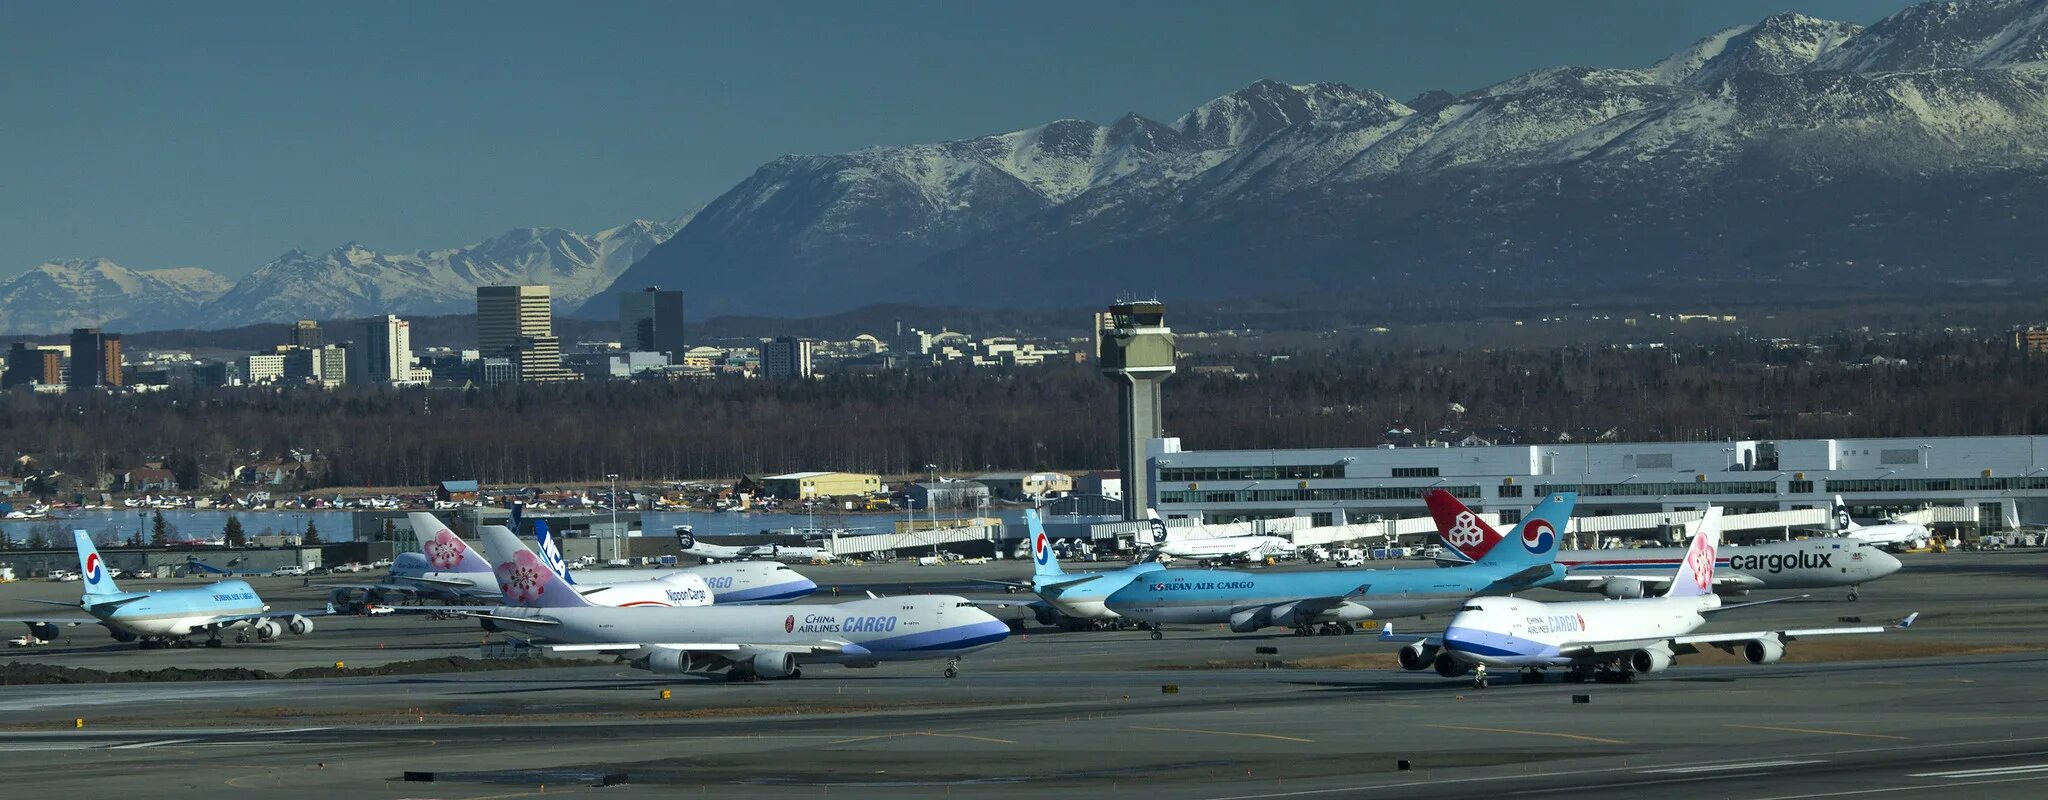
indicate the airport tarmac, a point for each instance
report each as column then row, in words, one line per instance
column 1079, row 714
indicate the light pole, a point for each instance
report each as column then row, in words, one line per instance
column 611, row 480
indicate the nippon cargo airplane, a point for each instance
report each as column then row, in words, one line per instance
column 1219, row 550
column 1074, row 599
column 156, row 619
column 447, row 566
column 747, row 643
column 1888, row 535
column 1607, row 640
column 1325, row 602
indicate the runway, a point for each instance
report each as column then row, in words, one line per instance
column 1949, row 707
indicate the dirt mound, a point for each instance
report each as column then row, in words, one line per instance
column 16, row 673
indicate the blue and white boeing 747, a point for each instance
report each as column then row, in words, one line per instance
column 1608, row 640
column 159, row 618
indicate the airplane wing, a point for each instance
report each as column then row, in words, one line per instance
column 1387, row 634
column 1524, row 578
column 1011, row 584
column 536, row 620
column 222, row 622
column 1727, row 641
column 1311, row 605
column 65, row 621
column 1018, row 603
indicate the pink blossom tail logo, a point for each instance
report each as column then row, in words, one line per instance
column 1703, row 567
column 520, row 579
column 789, row 624
column 445, row 551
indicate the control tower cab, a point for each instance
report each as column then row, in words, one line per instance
column 1137, row 352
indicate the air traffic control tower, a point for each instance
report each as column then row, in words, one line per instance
column 1137, row 353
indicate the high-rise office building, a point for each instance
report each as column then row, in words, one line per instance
column 95, row 358
column 651, row 321
column 306, row 333
column 387, row 356
column 28, row 364
column 333, row 363
column 786, row 357
column 517, row 322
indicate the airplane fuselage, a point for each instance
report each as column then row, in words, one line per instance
column 1803, row 564
column 1512, row 632
column 1250, row 600
column 862, row 631
column 176, row 612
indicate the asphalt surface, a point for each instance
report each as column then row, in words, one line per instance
column 1950, row 706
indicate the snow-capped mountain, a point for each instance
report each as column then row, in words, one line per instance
column 59, row 296
column 1794, row 149
column 355, row 281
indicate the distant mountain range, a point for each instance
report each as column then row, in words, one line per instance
column 1794, row 152
column 350, row 281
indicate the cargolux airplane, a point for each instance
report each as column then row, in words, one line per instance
column 1888, row 535
column 1073, row 600
column 159, row 618
column 1219, row 550
column 1328, row 601
column 448, row 567
column 1608, row 640
column 745, row 642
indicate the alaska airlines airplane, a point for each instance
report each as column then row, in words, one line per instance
column 156, row 619
column 447, row 566
column 1071, row 599
column 1608, row 640
column 1888, row 535
column 692, row 546
column 1328, row 601
column 746, row 643
column 1219, row 550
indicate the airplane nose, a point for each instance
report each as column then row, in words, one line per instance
column 1882, row 563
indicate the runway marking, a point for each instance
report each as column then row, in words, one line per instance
column 159, row 743
column 936, row 734
column 1985, row 772
column 1890, row 789
column 1721, row 767
column 1530, row 733
column 1817, row 730
column 1274, row 736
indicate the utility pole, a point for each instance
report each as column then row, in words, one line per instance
column 612, row 483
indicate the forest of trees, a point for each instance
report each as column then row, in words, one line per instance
column 1050, row 417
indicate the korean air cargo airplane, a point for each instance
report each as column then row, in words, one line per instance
column 1607, row 640
column 161, row 618
column 1074, row 600
column 1328, row 601
column 745, row 642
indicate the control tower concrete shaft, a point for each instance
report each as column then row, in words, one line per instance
column 1137, row 353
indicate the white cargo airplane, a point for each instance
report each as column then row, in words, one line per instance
column 1219, row 550
column 687, row 539
column 746, row 642
column 1608, row 640
column 1888, row 535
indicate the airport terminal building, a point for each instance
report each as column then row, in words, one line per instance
column 1988, row 482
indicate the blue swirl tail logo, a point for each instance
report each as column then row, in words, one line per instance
column 1537, row 537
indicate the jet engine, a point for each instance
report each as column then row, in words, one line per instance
column 774, row 665
column 1764, row 651
column 44, row 631
column 1418, row 656
column 1250, row 620
column 1046, row 616
column 121, row 635
column 268, row 630
column 1450, row 667
column 1622, row 588
column 664, row 661
column 1650, row 659
column 298, row 625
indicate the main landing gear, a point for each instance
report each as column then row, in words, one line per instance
column 1852, row 593
column 952, row 667
column 1479, row 676
column 1533, row 675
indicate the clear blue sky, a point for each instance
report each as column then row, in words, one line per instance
column 221, row 134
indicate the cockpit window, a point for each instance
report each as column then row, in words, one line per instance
column 1472, row 607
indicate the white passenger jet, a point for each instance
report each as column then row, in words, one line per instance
column 1608, row 640
column 1218, row 550
column 1888, row 535
column 692, row 546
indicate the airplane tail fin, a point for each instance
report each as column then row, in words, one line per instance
column 523, row 577
column 551, row 552
column 1696, row 573
column 1157, row 525
column 1539, row 535
column 1043, row 562
column 91, row 570
column 1840, row 516
column 445, row 551
column 1458, row 527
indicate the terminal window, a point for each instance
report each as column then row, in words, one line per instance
column 1415, row 472
column 1511, row 489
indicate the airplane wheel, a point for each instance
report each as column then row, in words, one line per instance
column 1852, row 595
column 1533, row 676
column 215, row 643
column 1157, row 635
column 952, row 672
column 796, row 673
